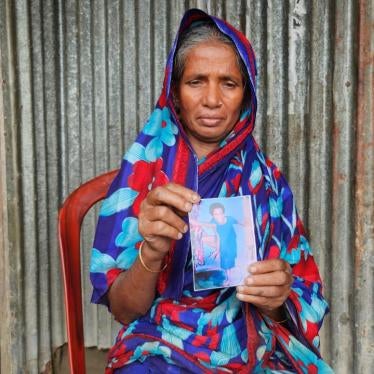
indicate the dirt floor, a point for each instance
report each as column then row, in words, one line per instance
column 95, row 361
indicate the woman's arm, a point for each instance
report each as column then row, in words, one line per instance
column 132, row 293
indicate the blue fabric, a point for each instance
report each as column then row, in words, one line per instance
column 227, row 240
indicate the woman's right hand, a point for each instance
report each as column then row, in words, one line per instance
column 160, row 217
column 159, row 222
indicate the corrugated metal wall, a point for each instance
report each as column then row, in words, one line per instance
column 80, row 77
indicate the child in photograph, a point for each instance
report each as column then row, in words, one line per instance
column 227, row 238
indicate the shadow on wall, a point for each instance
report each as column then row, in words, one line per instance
column 95, row 361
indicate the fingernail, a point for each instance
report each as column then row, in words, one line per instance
column 195, row 197
column 249, row 281
column 185, row 228
column 252, row 268
column 188, row 206
column 240, row 289
column 180, row 236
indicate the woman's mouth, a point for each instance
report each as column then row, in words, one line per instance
column 210, row 121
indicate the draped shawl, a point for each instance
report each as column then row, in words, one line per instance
column 213, row 341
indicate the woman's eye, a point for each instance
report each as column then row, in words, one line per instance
column 230, row 84
column 194, row 83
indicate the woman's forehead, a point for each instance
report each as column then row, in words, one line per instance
column 212, row 57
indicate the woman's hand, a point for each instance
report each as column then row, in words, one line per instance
column 159, row 223
column 160, row 218
column 267, row 287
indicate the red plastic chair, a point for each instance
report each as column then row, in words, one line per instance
column 70, row 220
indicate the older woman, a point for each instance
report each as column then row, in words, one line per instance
column 196, row 144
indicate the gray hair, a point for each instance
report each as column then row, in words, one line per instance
column 205, row 32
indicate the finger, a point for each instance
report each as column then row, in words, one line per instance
column 155, row 229
column 268, row 292
column 268, row 266
column 165, row 214
column 276, row 278
column 187, row 193
column 172, row 196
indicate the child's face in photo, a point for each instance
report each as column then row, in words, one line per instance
column 219, row 215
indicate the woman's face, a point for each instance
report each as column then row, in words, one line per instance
column 210, row 95
column 219, row 216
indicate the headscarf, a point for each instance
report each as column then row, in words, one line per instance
column 162, row 154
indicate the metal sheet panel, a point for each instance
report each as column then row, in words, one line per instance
column 81, row 77
column 363, row 316
column 343, row 143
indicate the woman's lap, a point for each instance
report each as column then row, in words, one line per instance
column 152, row 364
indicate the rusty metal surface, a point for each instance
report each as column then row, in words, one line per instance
column 364, row 192
column 80, row 79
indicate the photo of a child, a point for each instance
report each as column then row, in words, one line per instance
column 222, row 241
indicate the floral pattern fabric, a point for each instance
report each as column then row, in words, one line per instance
column 211, row 330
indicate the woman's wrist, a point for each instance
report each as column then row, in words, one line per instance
column 278, row 315
column 150, row 262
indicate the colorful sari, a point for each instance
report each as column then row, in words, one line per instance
column 211, row 330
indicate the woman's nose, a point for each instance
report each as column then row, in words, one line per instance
column 212, row 96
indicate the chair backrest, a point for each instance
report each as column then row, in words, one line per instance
column 70, row 220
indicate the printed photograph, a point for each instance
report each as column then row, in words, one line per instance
column 222, row 241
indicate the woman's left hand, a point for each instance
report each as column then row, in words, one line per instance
column 268, row 286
